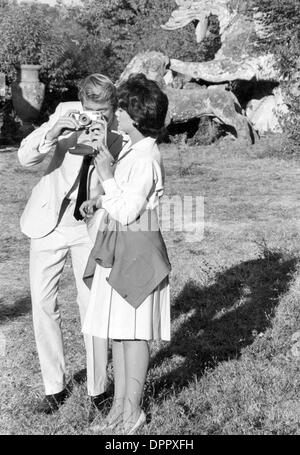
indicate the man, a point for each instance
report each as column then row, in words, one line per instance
column 53, row 222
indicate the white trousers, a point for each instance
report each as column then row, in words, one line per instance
column 47, row 259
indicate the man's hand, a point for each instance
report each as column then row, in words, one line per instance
column 64, row 125
column 88, row 207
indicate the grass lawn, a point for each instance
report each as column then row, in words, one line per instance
column 233, row 364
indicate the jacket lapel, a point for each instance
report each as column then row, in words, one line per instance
column 114, row 143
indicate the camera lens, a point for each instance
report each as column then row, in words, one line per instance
column 84, row 120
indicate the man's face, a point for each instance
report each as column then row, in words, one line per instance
column 104, row 108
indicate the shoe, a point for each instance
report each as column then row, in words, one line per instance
column 139, row 423
column 98, row 402
column 79, row 377
column 52, row 403
column 106, row 425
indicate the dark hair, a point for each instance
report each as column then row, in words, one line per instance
column 145, row 103
column 98, row 88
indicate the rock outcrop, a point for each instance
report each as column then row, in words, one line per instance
column 152, row 64
column 265, row 113
column 237, row 59
column 192, row 101
column 220, row 104
column 199, row 11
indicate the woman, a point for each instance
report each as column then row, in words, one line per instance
column 132, row 192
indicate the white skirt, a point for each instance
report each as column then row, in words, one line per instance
column 110, row 316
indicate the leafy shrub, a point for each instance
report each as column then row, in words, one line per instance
column 27, row 37
column 281, row 19
column 50, row 37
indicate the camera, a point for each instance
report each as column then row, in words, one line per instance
column 86, row 120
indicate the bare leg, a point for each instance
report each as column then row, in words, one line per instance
column 136, row 367
column 116, row 412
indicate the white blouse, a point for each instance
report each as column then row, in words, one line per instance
column 137, row 184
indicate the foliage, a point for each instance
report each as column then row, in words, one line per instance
column 281, row 19
column 129, row 27
column 27, row 37
column 49, row 36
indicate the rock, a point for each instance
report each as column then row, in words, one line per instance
column 294, row 88
column 222, row 105
column 295, row 337
column 265, row 113
column 179, row 80
column 200, row 11
column 152, row 64
column 295, row 349
column 237, row 57
column 169, row 77
column 228, row 69
column 192, row 101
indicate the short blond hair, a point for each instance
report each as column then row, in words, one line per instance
column 98, row 88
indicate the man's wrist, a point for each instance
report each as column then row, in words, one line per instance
column 49, row 137
column 46, row 145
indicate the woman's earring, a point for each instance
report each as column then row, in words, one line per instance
column 136, row 125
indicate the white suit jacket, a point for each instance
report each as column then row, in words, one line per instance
column 41, row 213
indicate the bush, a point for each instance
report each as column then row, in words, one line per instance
column 50, row 37
column 281, row 18
column 27, row 37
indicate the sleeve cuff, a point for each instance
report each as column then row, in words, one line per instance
column 110, row 186
column 46, row 145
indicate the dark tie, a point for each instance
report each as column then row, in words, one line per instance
column 82, row 188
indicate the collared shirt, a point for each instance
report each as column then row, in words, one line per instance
column 138, row 182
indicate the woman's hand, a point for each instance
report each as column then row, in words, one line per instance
column 103, row 164
column 88, row 207
column 98, row 134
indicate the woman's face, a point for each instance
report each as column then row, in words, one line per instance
column 125, row 122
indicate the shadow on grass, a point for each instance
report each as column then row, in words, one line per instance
column 17, row 309
column 220, row 320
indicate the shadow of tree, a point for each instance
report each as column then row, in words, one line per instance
column 221, row 319
column 17, row 309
